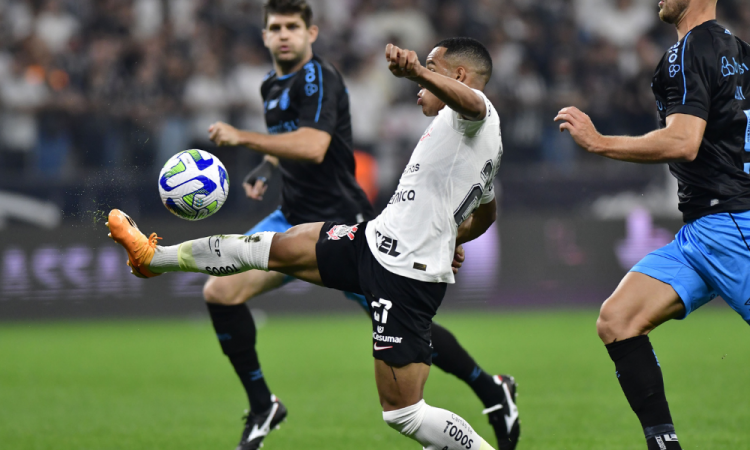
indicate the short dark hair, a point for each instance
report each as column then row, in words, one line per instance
column 288, row 7
column 469, row 50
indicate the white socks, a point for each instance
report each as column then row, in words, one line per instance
column 220, row 255
column 435, row 428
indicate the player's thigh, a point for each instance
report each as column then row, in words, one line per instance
column 718, row 246
column 237, row 289
column 639, row 304
column 293, row 252
column 399, row 387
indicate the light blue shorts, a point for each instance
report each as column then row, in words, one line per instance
column 276, row 222
column 709, row 257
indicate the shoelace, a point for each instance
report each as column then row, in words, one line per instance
column 151, row 242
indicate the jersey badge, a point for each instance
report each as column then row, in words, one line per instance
column 426, row 134
column 339, row 231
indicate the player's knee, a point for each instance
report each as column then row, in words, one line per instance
column 604, row 329
column 216, row 291
column 614, row 323
column 608, row 325
column 406, row 420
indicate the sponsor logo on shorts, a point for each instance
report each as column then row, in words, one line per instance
column 338, row 231
column 377, row 348
column 386, row 339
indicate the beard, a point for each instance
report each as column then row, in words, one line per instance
column 673, row 10
column 289, row 60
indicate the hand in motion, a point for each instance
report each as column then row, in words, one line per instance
column 580, row 127
column 256, row 190
column 223, row 134
column 401, row 62
column 256, row 182
column 459, row 256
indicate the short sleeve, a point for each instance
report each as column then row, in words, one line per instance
column 488, row 195
column 688, row 74
column 318, row 98
column 471, row 127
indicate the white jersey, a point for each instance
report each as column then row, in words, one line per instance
column 449, row 175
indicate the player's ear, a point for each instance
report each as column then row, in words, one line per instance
column 460, row 74
column 265, row 44
column 313, row 31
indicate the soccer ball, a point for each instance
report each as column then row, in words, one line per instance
column 193, row 184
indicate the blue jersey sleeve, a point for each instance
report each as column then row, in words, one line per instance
column 318, row 98
column 689, row 73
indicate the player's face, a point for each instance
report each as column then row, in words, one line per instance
column 288, row 39
column 670, row 11
column 431, row 105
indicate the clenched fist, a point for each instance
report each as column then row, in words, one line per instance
column 401, row 62
column 224, row 134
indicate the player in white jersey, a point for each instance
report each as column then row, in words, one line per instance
column 449, row 175
column 402, row 260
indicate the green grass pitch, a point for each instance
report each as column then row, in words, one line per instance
column 166, row 385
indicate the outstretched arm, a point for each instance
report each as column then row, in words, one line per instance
column 678, row 142
column 458, row 96
column 304, row 144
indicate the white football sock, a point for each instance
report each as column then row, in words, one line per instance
column 219, row 256
column 435, row 428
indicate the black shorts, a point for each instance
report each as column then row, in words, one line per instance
column 401, row 308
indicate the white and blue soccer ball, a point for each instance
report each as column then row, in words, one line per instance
column 193, row 184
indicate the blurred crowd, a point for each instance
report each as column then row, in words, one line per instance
column 87, row 84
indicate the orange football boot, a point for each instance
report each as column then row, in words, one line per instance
column 124, row 231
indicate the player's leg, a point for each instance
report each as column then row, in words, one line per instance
column 661, row 287
column 233, row 321
column 400, row 390
column 638, row 305
column 235, row 329
column 238, row 289
column 497, row 393
column 291, row 253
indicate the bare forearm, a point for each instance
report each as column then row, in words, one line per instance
column 655, row 147
column 453, row 93
column 680, row 141
column 477, row 224
column 293, row 145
